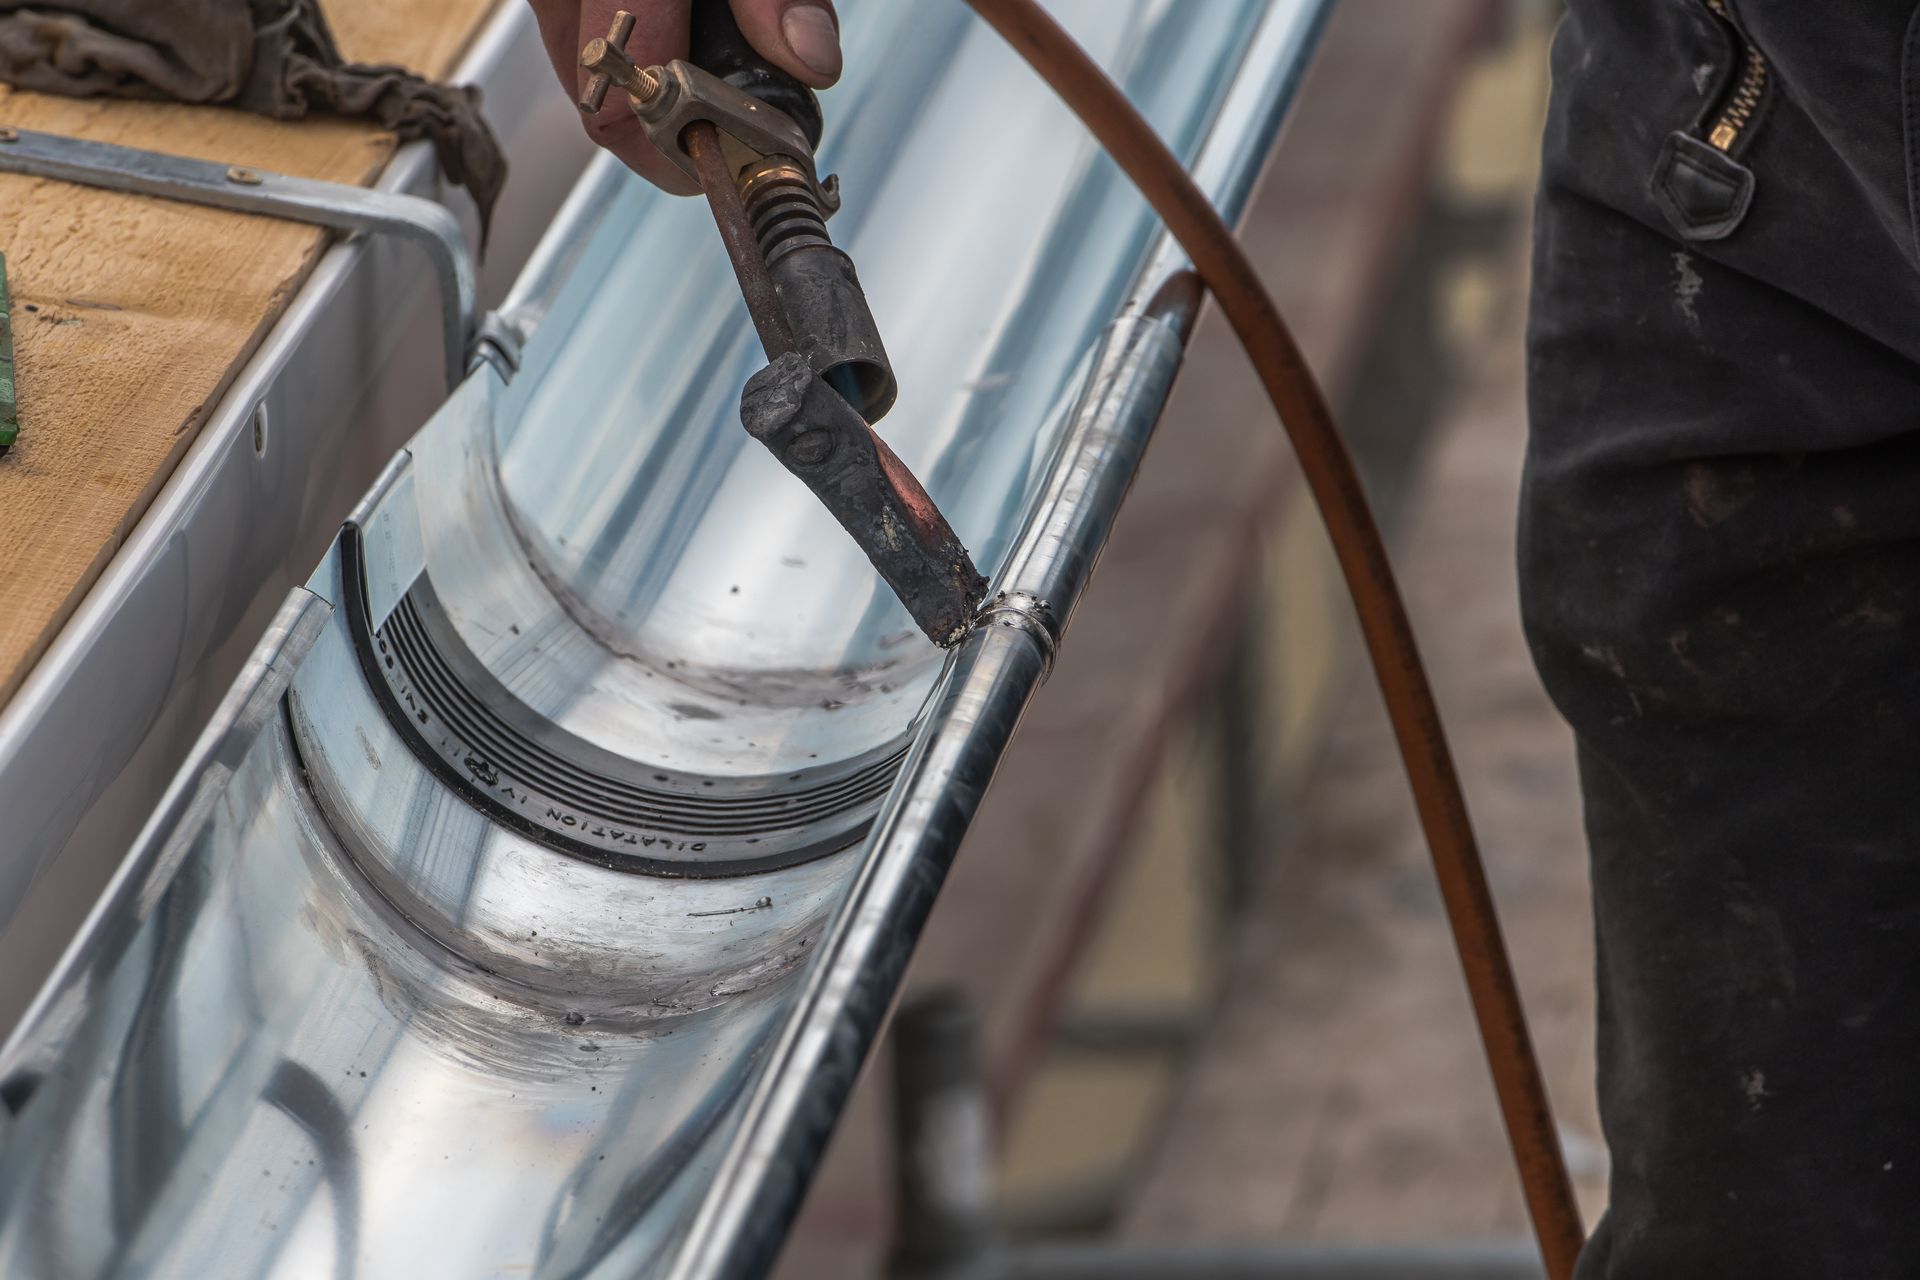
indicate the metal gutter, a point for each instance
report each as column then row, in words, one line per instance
column 351, row 969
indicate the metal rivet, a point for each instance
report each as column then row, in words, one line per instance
column 244, row 176
column 260, row 429
column 9, row 135
column 812, row 448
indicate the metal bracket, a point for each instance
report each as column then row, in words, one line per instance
column 497, row 342
column 243, row 190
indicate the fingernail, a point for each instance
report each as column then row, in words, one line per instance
column 813, row 38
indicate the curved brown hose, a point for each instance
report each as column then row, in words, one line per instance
column 1330, row 475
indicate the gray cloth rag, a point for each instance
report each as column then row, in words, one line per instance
column 276, row 57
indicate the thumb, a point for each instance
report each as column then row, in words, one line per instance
column 801, row 37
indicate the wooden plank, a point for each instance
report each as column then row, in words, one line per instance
column 132, row 314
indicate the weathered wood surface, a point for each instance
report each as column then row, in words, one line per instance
column 132, row 314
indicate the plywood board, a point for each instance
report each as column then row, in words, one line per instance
column 132, row 314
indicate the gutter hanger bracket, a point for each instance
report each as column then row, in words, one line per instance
column 335, row 205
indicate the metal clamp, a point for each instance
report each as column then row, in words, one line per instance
column 667, row 99
column 1031, row 615
column 749, row 128
column 327, row 204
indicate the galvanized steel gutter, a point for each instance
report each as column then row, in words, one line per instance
column 316, row 935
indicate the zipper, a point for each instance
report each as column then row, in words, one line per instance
column 1738, row 109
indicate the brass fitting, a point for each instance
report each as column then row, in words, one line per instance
column 606, row 58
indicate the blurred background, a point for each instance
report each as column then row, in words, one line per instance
column 1189, row 1006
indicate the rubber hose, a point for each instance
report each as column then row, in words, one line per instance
column 1329, row 472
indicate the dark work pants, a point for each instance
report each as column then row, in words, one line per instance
column 1720, row 565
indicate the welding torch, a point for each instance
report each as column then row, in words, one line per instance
column 746, row 132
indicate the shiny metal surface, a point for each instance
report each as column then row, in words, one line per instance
column 668, row 535
column 851, row 982
column 338, row 1016
column 337, row 205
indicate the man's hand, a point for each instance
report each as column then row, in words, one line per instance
column 801, row 37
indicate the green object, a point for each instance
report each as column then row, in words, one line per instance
column 9, row 407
